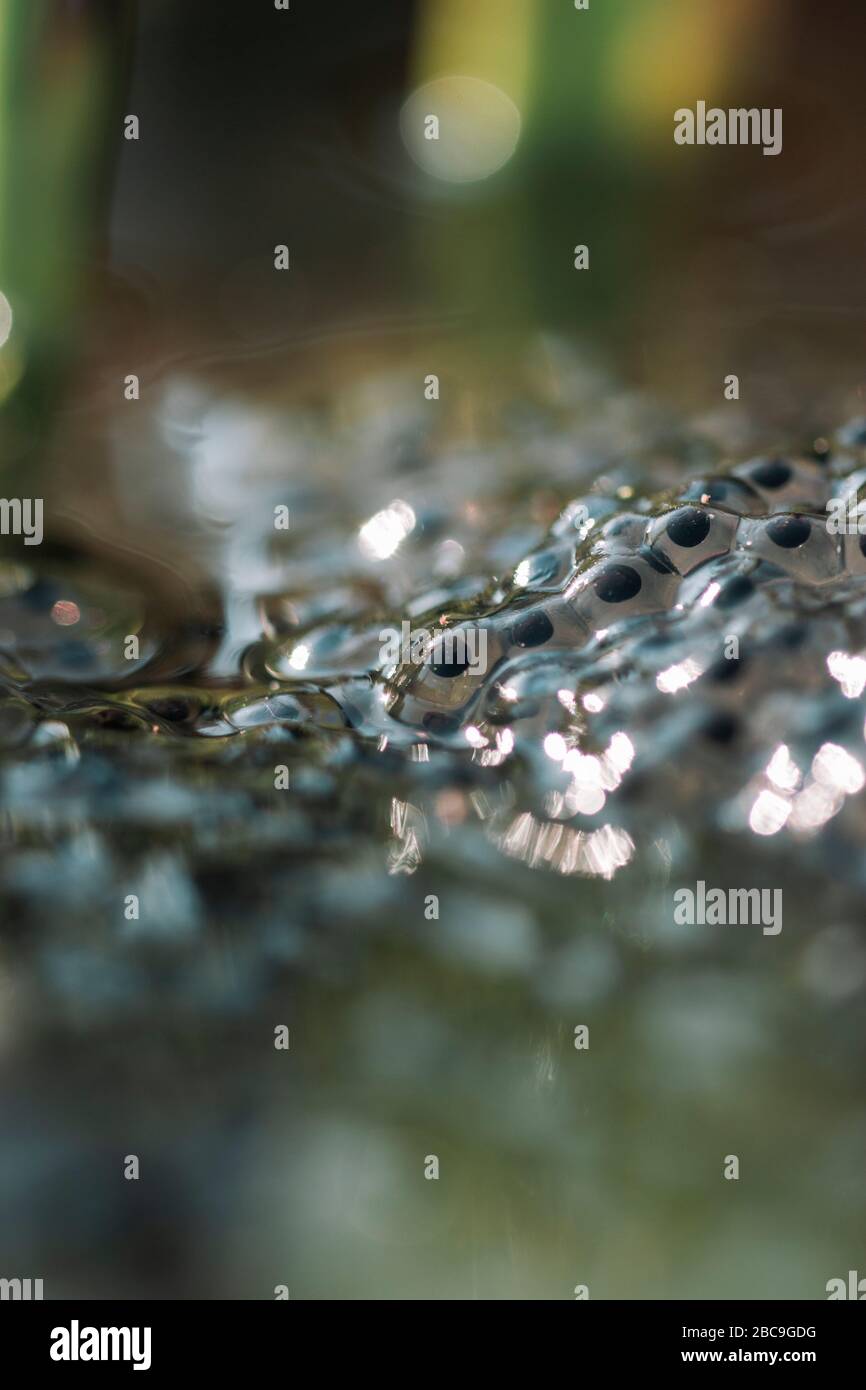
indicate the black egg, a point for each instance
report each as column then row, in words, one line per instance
column 617, row 583
column 789, row 531
column 532, row 629
column 731, row 491
column 689, row 527
column 726, row 668
column 447, row 670
column 792, row 636
column 721, row 727
column 772, row 473
column 737, row 590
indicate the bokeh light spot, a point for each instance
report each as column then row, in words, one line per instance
column 477, row 132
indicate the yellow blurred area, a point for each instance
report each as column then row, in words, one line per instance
column 480, row 39
column 674, row 52
column 638, row 59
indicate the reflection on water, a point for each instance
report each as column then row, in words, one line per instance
column 434, row 876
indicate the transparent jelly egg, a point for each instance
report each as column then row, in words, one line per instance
column 623, row 588
column 798, row 544
column 690, row 536
column 621, row 534
column 782, row 483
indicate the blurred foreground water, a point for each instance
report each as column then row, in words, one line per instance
column 611, row 755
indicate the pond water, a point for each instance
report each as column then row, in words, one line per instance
column 454, row 887
column 432, row 724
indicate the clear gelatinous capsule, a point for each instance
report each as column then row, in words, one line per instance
column 784, row 483
column 690, row 536
column 798, row 544
column 623, row 588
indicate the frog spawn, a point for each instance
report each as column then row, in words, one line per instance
column 694, row 560
column 611, row 575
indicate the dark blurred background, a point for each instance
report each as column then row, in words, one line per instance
column 261, row 126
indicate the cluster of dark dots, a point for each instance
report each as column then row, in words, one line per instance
column 769, row 514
